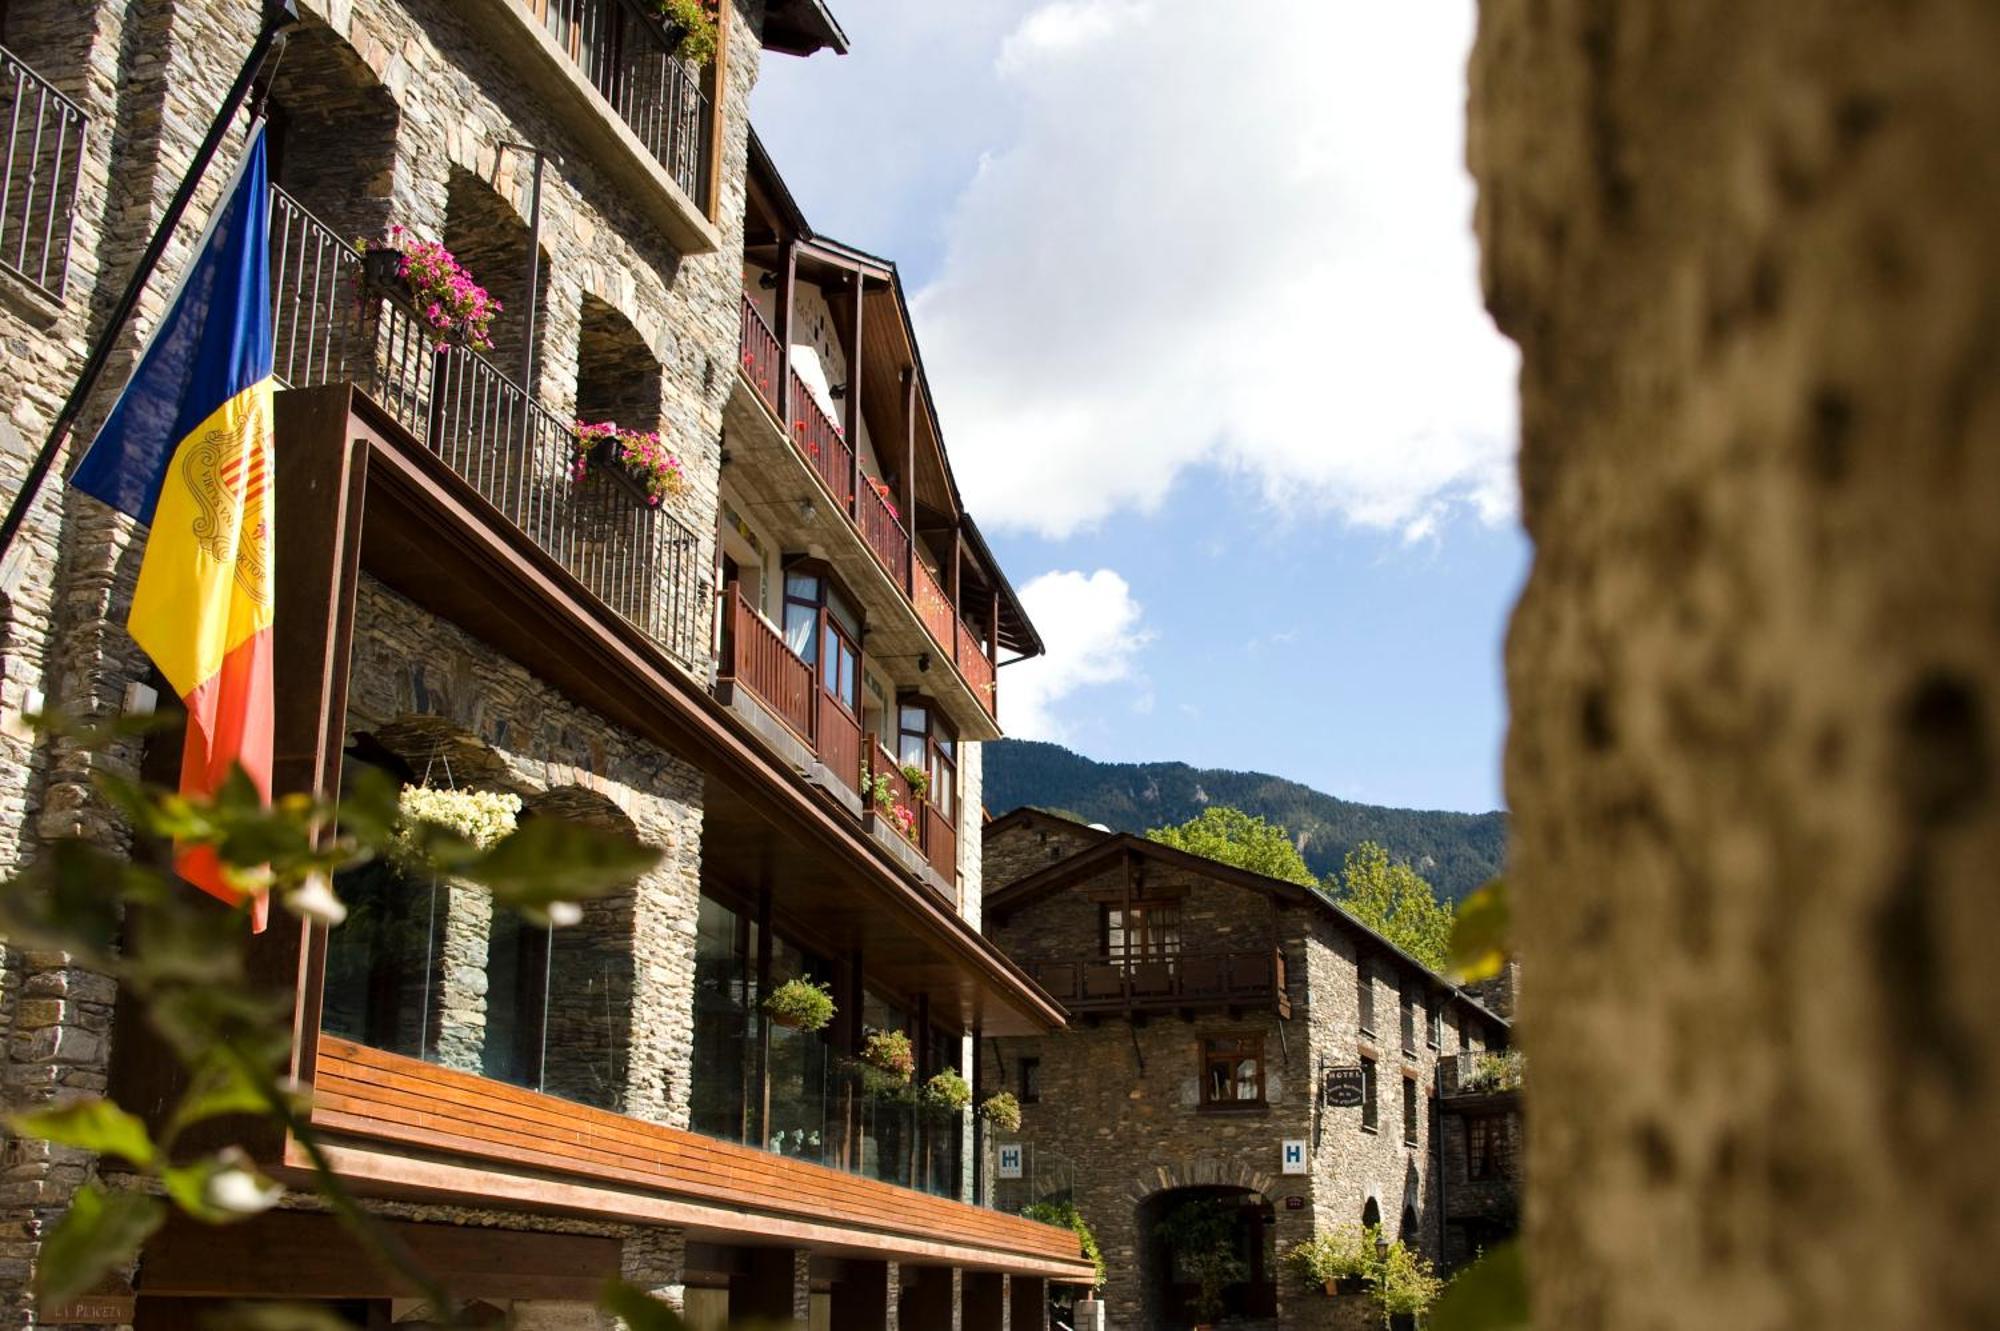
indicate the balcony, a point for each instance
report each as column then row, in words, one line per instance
column 931, row 846
column 640, row 561
column 1480, row 1072
column 38, row 175
column 1183, row 981
column 803, row 476
column 608, row 67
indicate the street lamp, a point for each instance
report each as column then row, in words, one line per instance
column 1381, row 1246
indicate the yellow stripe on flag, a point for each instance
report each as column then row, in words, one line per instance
column 205, row 581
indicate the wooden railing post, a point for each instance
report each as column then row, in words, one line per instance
column 788, row 272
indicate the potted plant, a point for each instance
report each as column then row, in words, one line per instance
column 476, row 819
column 1002, row 1110
column 800, row 1005
column 694, row 24
column 919, row 779
column 1339, row 1261
column 947, row 1091
column 1064, row 1215
column 890, row 1052
column 442, row 292
column 640, row 454
column 1405, row 1286
column 882, row 794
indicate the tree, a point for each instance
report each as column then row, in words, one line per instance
column 1392, row 899
column 1235, row 837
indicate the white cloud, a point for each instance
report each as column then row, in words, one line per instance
column 1094, row 632
column 1241, row 240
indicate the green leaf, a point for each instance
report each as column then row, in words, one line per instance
column 1479, row 934
column 638, row 1310
column 548, row 860
column 92, row 1125
column 100, row 1231
column 1489, row 1295
column 218, row 1089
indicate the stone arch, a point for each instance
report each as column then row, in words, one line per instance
column 1198, row 1172
column 488, row 236
column 333, row 131
column 1371, row 1210
column 618, row 375
column 439, row 751
column 1168, row 1288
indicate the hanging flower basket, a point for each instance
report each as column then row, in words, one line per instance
column 639, row 454
column 890, row 1052
column 480, row 818
column 800, row 1005
column 442, row 293
column 1002, row 1110
column 947, row 1091
column 694, row 27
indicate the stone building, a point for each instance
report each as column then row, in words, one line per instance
column 1211, row 1010
column 779, row 675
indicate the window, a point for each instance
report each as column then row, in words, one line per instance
column 1410, row 1110
column 1143, row 931
column 1031, row 1081
column 1371, row 1113
column 1482, row 1147
column 1436, row 1014
column 1409, row 998
column 924, row 742
column 1232, row 1071
column 824, row 633
column 1364, row 995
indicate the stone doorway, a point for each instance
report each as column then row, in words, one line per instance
column 1171, row 1285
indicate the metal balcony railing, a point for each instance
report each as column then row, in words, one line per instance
column 628, row 55
column 1480, row 1072
column 43, row 159
column 640, row 561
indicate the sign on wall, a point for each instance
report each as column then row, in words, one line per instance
column 1295, row 1155
column 1342, row 1088
column 1010, row 1161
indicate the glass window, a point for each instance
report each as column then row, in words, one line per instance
column 842, row 613
column 1371, row 1112
column 1410, row 1110
column 888, row 1113
column 803, row 1097
column 914, row 746
column 1142, row 931
column 724, row 999
column 1409, row 1019
column 801, row 626
column 1482, row 1147
column 1364, row 995
column 1436, row 1012
column 1232, row 1071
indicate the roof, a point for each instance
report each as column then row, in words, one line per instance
column 801, row 27
column 1114, row 846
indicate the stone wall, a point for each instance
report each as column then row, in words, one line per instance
column 1018, row 850
column 1479, row 1212
column 1749, row 253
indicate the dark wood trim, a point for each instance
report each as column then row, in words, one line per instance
column 718, row 131
column 788, row 282
column 852, row 405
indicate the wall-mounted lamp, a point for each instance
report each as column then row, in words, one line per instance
column 837, row 391
column 768, row 280
column 807, row 511
column 923, row 662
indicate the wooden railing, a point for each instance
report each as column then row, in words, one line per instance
column 934, row 608
column 977, row 669
column 40, row 163
column 640, row 561
column 883, row 531
column 839, row 741
column 819, row 441
column 763, row 361
column 941, row 844
column 754, row 656
column 882, row 766
column 359, row 1092
column 1176, row 980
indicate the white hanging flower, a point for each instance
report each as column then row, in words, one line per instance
column 239, row 1189
column 316, row 902
column 482, row 817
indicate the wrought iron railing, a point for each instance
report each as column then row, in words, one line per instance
column 43, row 158
column 628, row 56
column 639, row 560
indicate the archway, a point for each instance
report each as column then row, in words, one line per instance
column 1187, row 1233
column 1371, row 1214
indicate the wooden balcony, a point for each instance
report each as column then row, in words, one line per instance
column 933, row 836
column 866, row 539
column 1185, row 981
column 524, row 1147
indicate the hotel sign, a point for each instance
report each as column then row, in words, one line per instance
column 1343, row 1088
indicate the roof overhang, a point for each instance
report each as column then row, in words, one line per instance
column 801, row 27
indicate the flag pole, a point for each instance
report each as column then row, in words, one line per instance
column 280, row 17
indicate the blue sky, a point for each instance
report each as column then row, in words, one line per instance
column 1199, row 306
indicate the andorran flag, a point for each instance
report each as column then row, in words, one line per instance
column 187, row 451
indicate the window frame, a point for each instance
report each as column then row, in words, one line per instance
column 1139, row 916
column 1371, row 1084
column 938, row 741
column 1486, row 1127
column 1028, row 1079
column 1364, row 996
column 1246, row 1047
column 1434, row 1022
column 828, row 625
column 1412, row 1112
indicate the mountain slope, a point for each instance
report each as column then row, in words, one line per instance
column 1455, row 851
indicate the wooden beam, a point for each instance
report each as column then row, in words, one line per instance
column 718, row 88
column 910, row 474
column 853, row 402
column 788, row 281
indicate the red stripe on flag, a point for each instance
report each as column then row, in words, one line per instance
column 229, row 724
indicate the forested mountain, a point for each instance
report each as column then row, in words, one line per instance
column 1455, row 851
